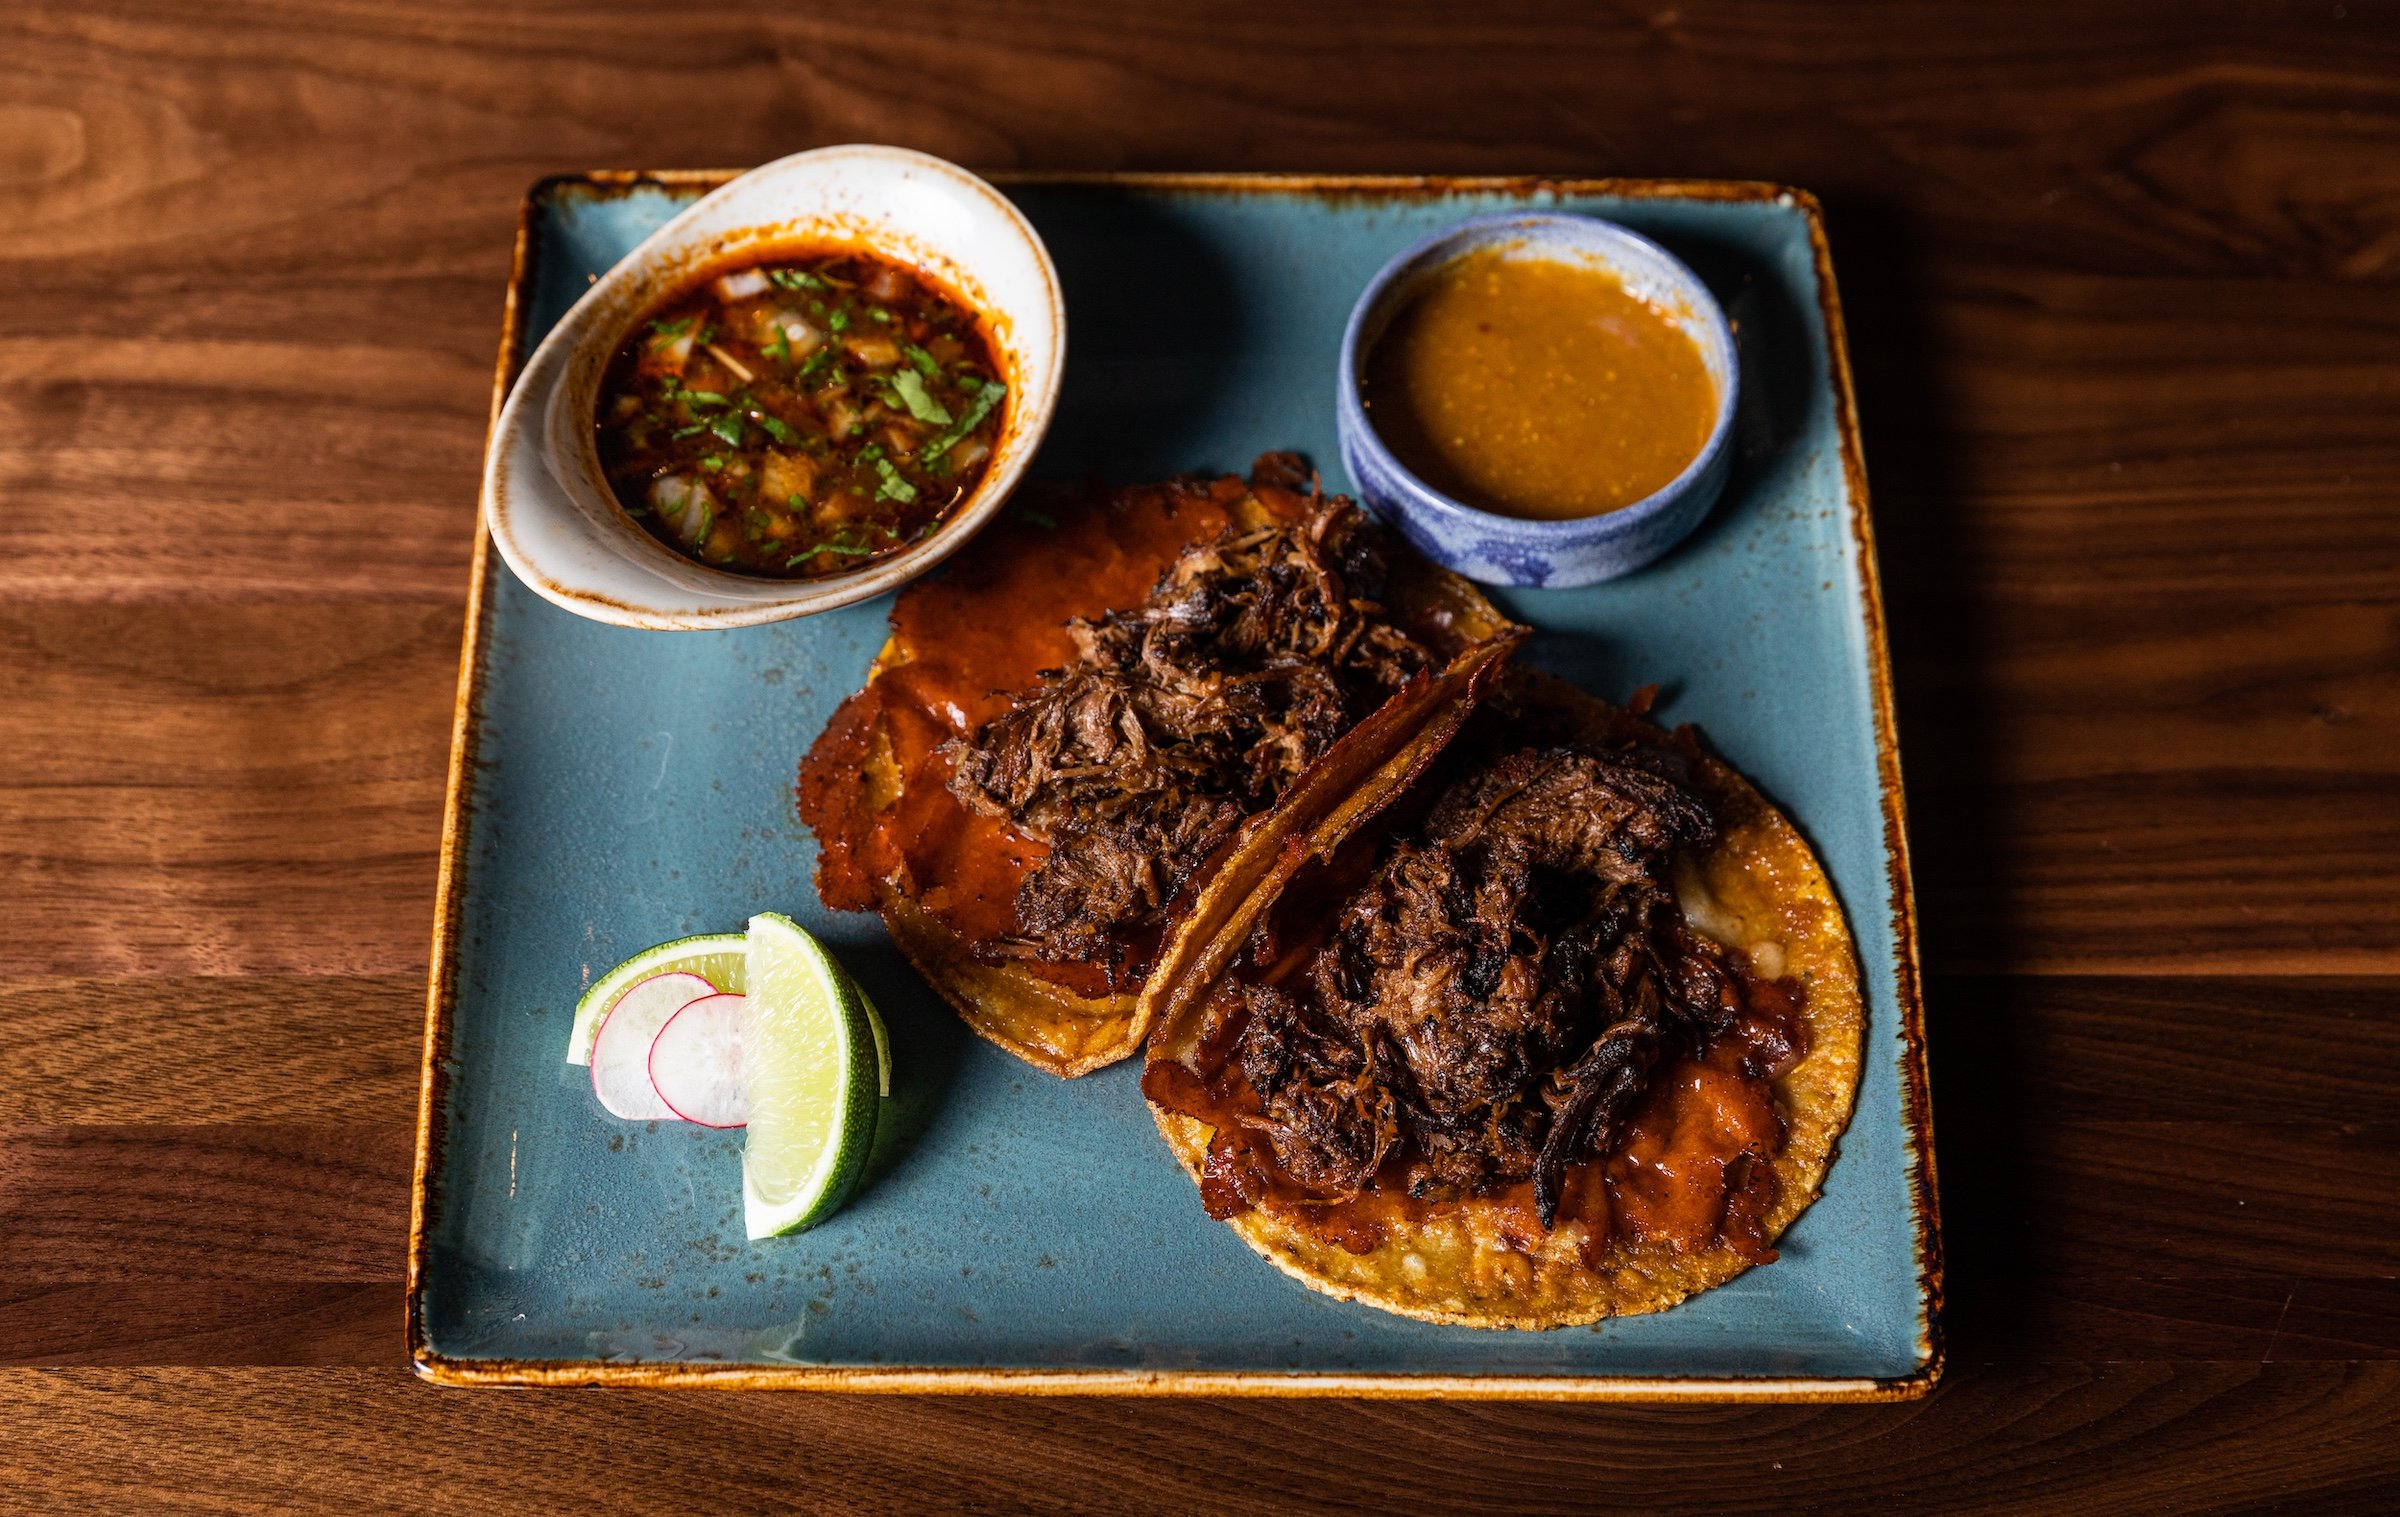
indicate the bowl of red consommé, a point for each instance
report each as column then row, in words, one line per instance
column 807, row 389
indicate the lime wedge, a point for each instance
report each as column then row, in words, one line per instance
column 718, row 957
column 814, row 1059
column 883, row 1046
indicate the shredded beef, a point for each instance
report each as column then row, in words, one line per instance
column 1491, row 1004
column 1183, row 716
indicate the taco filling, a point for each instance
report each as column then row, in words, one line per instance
column 1180, row 718
column 1508, row 1017
column 1073, row 723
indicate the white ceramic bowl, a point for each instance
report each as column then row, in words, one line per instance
column 551, row 512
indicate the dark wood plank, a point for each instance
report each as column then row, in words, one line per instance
column 265, row 466
column 2172, row 1169
column 2011, row 1053
column 213, row 1049
column 2203, row 139
column 2137, row 1439
column 2144, row 1198
column 322, row 1204
column 2097, row 1137
column 2017, row 1310
column 2144, row 607
column 221, row 788
column 199, row 1322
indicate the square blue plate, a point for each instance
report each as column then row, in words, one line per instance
column 613, row 788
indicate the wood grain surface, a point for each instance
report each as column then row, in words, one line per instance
column 2124, row 287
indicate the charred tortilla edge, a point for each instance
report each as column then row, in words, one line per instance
column 1048, row 1026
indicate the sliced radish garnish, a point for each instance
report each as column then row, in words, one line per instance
column 621, row 1053
column 696, row 1062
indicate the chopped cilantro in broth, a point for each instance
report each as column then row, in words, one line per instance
column 798, row 415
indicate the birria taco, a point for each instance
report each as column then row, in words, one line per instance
column 1095, row 704
column 1558, row 1023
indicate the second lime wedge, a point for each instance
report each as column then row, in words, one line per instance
column 718, row 957
column 815, row 1061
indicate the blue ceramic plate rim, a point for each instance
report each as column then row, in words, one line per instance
column 1576, row 532
column 1914, row 1114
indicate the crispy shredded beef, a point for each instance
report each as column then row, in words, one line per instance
column 1183, row 716
column 1490, row 1005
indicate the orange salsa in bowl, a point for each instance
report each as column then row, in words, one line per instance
column 796, row 414
column 1538, row 387
column 1538, row 398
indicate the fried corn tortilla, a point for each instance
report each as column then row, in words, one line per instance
column 880, row 787
column 1483, row 1260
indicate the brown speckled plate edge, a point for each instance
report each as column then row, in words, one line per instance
column 1917, row 1113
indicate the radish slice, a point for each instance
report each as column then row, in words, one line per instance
column 621, row 1052
column 696, row 1062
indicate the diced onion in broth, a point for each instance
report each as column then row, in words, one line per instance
column 741, row 284
column 797, row 331
column 668, row 355
column 686, row 506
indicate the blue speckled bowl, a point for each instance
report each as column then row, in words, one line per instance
column 1510, row 550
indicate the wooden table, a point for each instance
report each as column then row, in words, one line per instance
column 2124, row 284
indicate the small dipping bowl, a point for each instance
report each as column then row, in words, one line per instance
column 549, row 507
column 1511, row 550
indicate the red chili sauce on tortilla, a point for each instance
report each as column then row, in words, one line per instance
column 965, row 643
column 1689, row 1169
